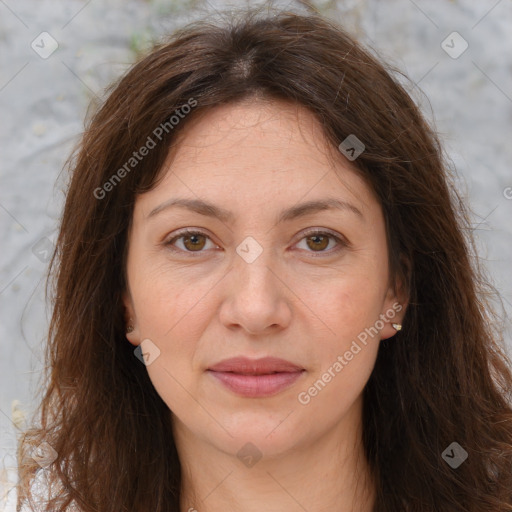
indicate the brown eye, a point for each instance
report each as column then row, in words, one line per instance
column 190, row 242
column 318, row 242
column 194, row 242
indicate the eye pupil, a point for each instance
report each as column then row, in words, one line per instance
column 195, row 241
column 324, row 242
column 195, row 244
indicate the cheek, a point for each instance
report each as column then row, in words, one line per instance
column 172, row 312
column 350, row 306
column 346, row 360
column 168, row 301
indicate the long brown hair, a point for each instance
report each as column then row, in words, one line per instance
column 444, row 378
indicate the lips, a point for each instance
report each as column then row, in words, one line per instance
column 254, row 378
column 263, row 366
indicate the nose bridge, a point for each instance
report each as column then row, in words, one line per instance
column 256, row 296
column 253, row 265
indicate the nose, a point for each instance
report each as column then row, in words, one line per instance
column 257, row 300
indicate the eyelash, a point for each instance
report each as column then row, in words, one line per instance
column 342, row 243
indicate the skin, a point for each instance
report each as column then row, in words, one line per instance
column 302, row 299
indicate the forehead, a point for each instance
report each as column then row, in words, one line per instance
column 256, row 153
column 249, row 127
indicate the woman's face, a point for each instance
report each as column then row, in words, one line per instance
column 255, row 281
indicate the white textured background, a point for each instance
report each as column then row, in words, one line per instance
column 44, row 101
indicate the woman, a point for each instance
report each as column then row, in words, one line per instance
column 265, row 294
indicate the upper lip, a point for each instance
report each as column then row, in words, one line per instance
column 262, row 366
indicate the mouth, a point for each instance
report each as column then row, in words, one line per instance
column 256, row 378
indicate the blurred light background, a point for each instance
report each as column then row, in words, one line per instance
column 44, row 99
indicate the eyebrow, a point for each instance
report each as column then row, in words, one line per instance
column 301, row 210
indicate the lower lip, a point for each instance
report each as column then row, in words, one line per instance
column 255, row 386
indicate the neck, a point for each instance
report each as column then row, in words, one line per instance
column 329, row 474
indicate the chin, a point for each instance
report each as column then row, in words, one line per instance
column 270, row 433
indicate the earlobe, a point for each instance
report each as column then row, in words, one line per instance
column 132, row 334
column 131, row 330
column 396, row 304
column 394, row 314
column 392, row 320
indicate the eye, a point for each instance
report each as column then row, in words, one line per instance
column 191, row 241
column 319, row 241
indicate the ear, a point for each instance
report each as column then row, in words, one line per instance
column 131, row 325
column 394, row 308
